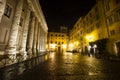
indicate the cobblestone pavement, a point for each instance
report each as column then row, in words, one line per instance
column 69, row 66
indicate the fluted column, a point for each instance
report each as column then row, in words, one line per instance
column 25, row 32
column 11, row 48
column 35, row 37
column 2, row 8
column 42, row 45
column 30, row 36
column 44, row 41
column 41, row 38
column 38, row 35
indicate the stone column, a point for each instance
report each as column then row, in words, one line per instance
column 42, row 45
column 11, row 48
column 38, row 35
column 44, row 41
column 35, row 38
column 30, row 37
column 41, row 38
column 25, row 32
column 2, row 8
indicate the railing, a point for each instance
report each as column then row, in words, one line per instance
column 10, row 72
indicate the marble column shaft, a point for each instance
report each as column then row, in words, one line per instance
column 40, row 38
column 25, row 30
column 37, row 43
column 35, row 37
column 30, row 36
column 14, row 29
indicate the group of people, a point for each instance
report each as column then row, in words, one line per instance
column 92, row 50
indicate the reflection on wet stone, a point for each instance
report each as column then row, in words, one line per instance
column 12, row 71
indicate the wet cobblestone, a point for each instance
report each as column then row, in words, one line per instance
column 68, row 66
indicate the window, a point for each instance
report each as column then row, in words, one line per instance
column 80, row 32
column 81, row 39
column 118, row 15
column 90, row 15
column 109, row 20
column 56, row 35
column 112, row 32
column 97, row 17
column 8, row 10
column 51, row 34
column 58, row 43
column 107, row 7
column 96, row 9
column 97, row 25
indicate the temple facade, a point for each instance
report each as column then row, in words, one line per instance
column 23, row 29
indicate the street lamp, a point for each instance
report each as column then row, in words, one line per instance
column 90, row 38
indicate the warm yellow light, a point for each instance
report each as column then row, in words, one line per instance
column 46, row 57
column 64, row 46
column 90, row 38
column 76, row 42
column 52, row 45
column 71, row 45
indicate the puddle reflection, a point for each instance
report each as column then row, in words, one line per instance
column 12, row 71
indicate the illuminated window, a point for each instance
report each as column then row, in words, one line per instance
column 8, row 10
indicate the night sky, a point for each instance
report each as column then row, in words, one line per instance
column 64, row 12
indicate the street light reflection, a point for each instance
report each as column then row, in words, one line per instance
column 52, row 55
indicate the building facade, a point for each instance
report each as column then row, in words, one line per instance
column 23, row 29
column 99, row 27
column 57, row 41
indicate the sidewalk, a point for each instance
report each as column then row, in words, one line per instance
column 108, row 57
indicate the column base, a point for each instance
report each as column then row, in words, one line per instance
column 29, row 53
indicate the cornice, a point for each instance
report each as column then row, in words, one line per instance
column 36, row 8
